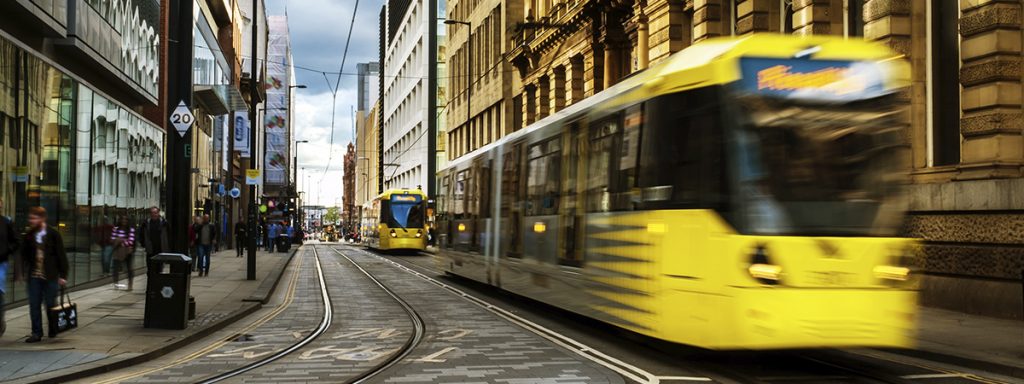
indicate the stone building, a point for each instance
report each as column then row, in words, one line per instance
column 967, row 194
column 480, row 84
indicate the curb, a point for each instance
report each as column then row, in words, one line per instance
column 101, row 366
column 966, row 362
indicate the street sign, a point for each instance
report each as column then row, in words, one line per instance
column 19, row 174
column 235, row 192
column 252, row 177
column 182, row 118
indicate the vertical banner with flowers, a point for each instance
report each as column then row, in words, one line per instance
column 276, row 118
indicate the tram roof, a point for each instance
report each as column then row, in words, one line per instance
column 715, row 61
column 402, row 191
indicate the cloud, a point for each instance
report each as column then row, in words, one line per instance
column 318, row 30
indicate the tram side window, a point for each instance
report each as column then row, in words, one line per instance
column 459, row 199
column 612, row 161
column 543, row 178
column 681, row 157
column 482, row 200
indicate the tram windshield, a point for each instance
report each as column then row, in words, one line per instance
column 820, row 169
column 404, row 211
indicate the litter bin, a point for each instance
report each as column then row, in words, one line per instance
column 283, row 243
column 167, row 291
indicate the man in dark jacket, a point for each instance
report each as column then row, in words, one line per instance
column 8, row 246
column 46, row 267
column 241, row 236
column 153, row 235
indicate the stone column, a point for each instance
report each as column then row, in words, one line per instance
column 758, row 16
column 990, row 48
column 593, row 73
column 669, row 29
column 710, row 19
column 893, row 22
column 818, row 17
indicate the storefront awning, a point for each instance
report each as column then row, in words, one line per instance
column 220, row 99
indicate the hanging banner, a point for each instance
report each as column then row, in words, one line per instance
column 277, row 86
column 252, row 177
column 242, row 134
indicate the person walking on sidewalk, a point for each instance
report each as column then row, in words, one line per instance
column 123, row 239
column 240, row 237
column 106, row 248
column 8, row 247
column 272, row 231
column 206, row 235
column 153, row 235
column 46, row 265
column 193, row 245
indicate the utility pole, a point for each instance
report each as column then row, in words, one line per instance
column 178, row 183
column 250, row 265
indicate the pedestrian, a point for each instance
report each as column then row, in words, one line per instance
column 123, row 239
column 206, row 235
column 46, row 267
column 240, row 237
column 193, row 245
column 153, row 235
column 106, row 248
column 8, row 247
column 272, row 231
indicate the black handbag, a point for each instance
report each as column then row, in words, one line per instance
column 64, row 316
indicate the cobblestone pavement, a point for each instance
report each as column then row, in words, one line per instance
column 466, row 344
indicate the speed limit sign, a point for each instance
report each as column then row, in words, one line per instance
column 182, row 118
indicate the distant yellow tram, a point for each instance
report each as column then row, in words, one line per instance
column 396, row 221
column 744, row 193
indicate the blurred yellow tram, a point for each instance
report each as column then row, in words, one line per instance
column 396, row 221
column 744, row 193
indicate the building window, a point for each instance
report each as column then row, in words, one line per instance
column 787, row 16
column 854, row 18
column 944, row 59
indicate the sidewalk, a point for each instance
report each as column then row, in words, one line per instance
column 110, row 333
column 979, row 342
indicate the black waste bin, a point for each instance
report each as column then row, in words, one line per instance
column 167, row 291
column 283, row 243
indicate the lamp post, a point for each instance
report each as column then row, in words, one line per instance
column 469, row 76
column 250, row 262
column 295, row 175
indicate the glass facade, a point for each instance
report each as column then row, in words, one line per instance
column 79, row 154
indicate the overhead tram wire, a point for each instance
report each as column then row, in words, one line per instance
column 334, row 94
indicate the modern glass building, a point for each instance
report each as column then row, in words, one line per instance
column 66, row 144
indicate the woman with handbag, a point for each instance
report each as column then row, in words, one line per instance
column 123, row 239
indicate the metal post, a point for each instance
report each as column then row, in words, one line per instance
column 432, row 101
column 469, row 87
column 250, row 265
column 179, row 167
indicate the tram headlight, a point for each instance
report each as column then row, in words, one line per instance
column 889, row 272
column 762, row 270
column 419, row 233
column 393, row 233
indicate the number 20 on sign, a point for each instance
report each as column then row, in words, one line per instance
column 182, row 118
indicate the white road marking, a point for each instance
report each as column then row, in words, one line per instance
column 933, row 376
column 683, row 378
column 433, row 357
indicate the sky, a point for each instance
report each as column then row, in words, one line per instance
column 318, row 31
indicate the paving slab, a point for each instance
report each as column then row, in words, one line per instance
column 110, row 333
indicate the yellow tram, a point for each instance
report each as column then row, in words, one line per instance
column 744, row 193
column 396, row 221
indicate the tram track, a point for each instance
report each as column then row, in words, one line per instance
column 418, row 331
column 322, row 327
column 806, row 366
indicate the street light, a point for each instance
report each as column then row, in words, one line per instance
column 295, row 174
column 469, row 76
